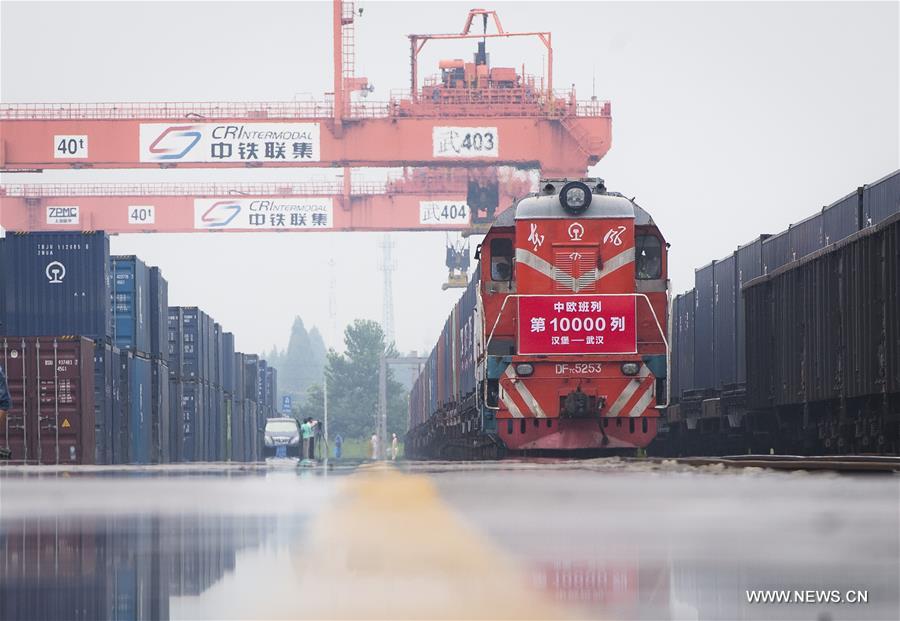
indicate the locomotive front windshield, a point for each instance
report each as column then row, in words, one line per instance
column 501, row 259
column 648, row 257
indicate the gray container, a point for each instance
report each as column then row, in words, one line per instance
column 841, row 218
column 776, row 251
column 725, row 371
column 682, row 355
column 806, row 236
column 748, row 266
column 881, row 199
column 704, row 328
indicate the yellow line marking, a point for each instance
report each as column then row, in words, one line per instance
column 390, row 548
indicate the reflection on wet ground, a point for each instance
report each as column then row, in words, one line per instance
column 552, row 539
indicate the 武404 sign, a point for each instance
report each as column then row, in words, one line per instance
column 577, row 324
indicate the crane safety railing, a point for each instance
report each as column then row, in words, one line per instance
column 324, row 187
column 489, row 102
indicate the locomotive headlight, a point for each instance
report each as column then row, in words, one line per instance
column 524, row 369
column 575, row 197
column 630, row 368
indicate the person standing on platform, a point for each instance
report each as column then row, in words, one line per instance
column 395, row 448
column 374, row 443
column 338, row 446
column 308, row 433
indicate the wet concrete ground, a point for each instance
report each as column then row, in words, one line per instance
column 591, row 539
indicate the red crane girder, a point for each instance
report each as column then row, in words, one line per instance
column 268, row 207
column 563, row 141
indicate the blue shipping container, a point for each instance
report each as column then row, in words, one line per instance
column 176, row 344
column 131, row 303
column 228, row 352
column 106, row 399
column 159, row 315
column 196, row 344
column 135, row 413
column 56, row 283
column 160, row 413
column 192, row 406
column 176, row 420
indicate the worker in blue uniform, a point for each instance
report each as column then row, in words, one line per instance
column 338, row 446
column 5, row 405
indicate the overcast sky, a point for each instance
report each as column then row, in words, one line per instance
column 729, row 120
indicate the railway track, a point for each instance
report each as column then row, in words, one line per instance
column 836, row 463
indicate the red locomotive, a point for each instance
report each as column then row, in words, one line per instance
column 559, row 342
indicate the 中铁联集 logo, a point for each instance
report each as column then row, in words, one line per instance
column 55, row 272
column 220, row 214
column 175, row 142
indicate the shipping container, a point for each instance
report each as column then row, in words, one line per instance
column 176, row 415
column 776, row 251
column 176, row 341
column 51, row 385
column 725, row 358
column 881, row 199
column 272, row 391
column 132, row 445
column 161, row 413
column 196, row 344
column 251, row 377
column 749, row 265
column 262, row 397
column 841, row 218
column 56, row 283
column 683, row 353
column 159, row 315
column 229, row 368
column 192, row 418
column 806, row 236
column 131, row 303
column 704, row 328
column 239, row 382
column 106, row 399
column 253, row 440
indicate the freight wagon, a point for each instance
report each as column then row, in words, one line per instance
column 559, row 342
column 801, row 323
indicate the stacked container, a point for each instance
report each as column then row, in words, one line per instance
column 51, row 384
column 164, row 385
column 131, row 317
column 160, row 410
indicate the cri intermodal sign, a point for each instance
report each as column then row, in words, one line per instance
column 577, row 324
column 235, row 142
column 263, row 213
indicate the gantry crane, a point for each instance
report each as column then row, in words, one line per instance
column 453, row 134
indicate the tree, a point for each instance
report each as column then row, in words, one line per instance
column 353, row 384
column 301, row 365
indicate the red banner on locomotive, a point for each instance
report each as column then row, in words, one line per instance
column 577, row 324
